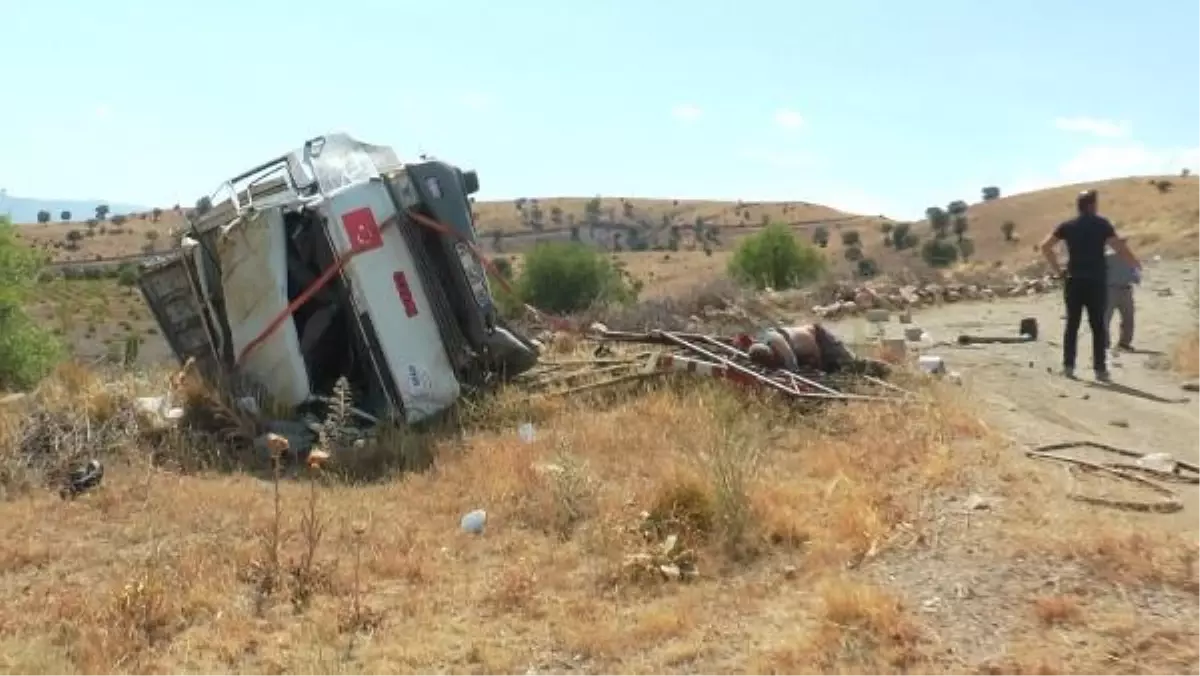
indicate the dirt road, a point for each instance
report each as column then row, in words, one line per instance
column 1021, row 393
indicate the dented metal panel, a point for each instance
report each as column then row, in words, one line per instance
column 411, row 345
column 170, row 293
column 254, row 280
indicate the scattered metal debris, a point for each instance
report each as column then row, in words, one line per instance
column 1154, row 464
column 713, row 357
column 1027, row 332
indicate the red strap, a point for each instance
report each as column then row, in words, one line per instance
column 319, row 283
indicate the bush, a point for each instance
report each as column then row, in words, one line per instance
column 866, row 267
column 820, row 236
column 119, row 219
column 127, row 274
column 966, row 248
column 1008, row 228
column 775, row 258
column 74, row 236
column 991, row 193
column 568, row 276
column 26, row 351
column 939, row 252
column 852, row 254
column 850, row 238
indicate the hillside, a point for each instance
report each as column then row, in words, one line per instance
column 1157, row 222
column 25, row 209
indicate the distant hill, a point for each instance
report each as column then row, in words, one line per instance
column 25, row 209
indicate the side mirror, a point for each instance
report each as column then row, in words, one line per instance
column 470, row 181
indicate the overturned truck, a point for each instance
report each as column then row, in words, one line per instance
column 335, row 260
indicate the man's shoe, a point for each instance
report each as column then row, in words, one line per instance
column 1103, row 377
column 1068, row 372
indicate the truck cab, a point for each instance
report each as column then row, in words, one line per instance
column 338, row 259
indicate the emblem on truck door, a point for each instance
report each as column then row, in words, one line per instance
column 361, row 229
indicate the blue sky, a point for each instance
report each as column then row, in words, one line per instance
column 871, row 106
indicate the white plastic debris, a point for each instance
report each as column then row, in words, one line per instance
column 1157, row 462
column 474, row 521
column 158, row 410
column 526, row 432
column 931, row 364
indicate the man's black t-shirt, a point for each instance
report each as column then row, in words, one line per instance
column 1085, row 237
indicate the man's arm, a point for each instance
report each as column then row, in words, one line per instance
column 1048, row 252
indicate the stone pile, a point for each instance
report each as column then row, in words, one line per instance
column 854, row 300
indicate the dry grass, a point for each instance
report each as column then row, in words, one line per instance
column 1186, row 359
column 1156, row 222
column 787, row 518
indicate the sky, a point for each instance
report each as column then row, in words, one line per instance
column 872, row 106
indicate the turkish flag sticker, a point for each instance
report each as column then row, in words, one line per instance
column 362, row 230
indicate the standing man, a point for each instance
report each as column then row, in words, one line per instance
column 1085, row 285
column 1121, row 279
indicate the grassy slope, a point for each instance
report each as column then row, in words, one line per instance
column 1156, row 222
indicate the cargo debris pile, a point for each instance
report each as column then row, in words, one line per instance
column 853, row 300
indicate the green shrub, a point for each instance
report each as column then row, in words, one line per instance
column 127, row 274
column 939, row 252
column 866, row 268
column 775, row 258
column 27, row 352
column 568, row 276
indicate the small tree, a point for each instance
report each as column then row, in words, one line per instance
column 866, row 268
column 820, row 236
column 775, row 258
column 203, row 205
column 74, row 236
column 567, row 277
column 102, row 212
column 956, row 208
column 939, row 253
column 27, row 352
column 43, row 216
column 497, row 241
column 117, row 220
column 127, row 275
column 899, row 235
column 991, row 193
column 64, row 216
column 1008, row 228
column 155, row 214
column 850, row 238
column 966, row 248
column 960, row 225
column 939, row 220
column 535, row 217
